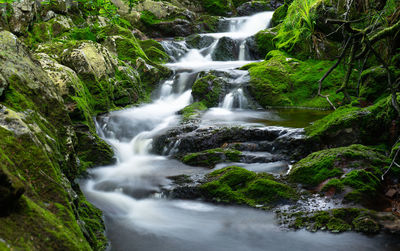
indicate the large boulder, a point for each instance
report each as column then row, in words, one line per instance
column 90, row 59
column 63, row 77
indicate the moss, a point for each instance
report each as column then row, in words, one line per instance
column 337, row 220
column 86, row 33
column 216, row 7
column 36, row 228
column 279, row 15
column 285, row 81
column 370, row 125
column 264, row 41
column 268, row 191
column 209, row 158
column 192, row 110
column 129, row 50
column 364, row 183
column 208, row 90
column 238, row 185
column 93, row 225
column 365, row 224
column 325, row 164
column 338, row 225
column 372, row 88
column 334, row 184
column 148, row 18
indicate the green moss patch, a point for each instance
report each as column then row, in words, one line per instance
column 346, row 125
column 285, row 81
column 238, row 185
column 338, row 220
column 209, row 158
column 320, row 166
column 192, row 111
column 208, row 90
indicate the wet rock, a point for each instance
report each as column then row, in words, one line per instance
column 175, row 28
column 193, row 139
column 227, row 49
column 199, row 42
column 92, row 150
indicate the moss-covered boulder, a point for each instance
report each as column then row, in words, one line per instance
column 208, row 90
column 353, row 125
column 354, row 170
column 282, row 80
column 209, row 158
column 237, row 185
column 46, row 31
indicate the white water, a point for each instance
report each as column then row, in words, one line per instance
column 129, row 192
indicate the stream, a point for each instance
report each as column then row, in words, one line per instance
column 137, row 213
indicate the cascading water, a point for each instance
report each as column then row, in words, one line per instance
column 129, row 193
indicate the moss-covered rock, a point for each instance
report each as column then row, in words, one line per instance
column 209, row 158
column 354, row 125
column 353, row 171
column 282, row 80
column 279, row 15
column 192, row 111
column 325, row 164
column 37, row 151
column 337, row 220
column 208, row 90
column 264, row 41
column 238, row 185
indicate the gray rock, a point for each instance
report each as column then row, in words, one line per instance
column 227, row 49
column 199, row 42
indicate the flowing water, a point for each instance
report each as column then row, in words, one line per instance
column 139, row 217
